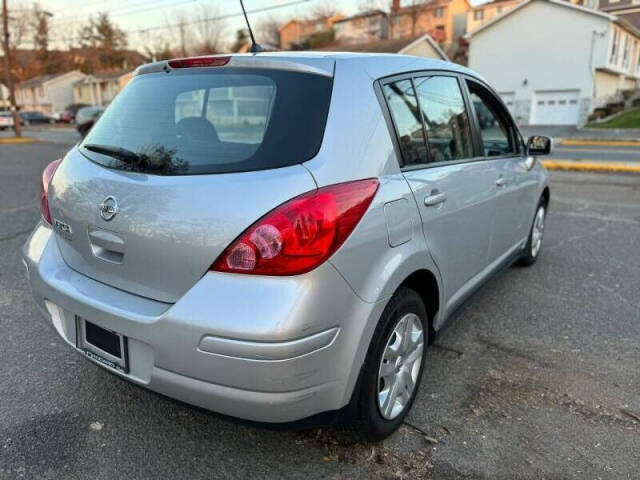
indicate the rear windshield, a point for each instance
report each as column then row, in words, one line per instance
column 198, row 122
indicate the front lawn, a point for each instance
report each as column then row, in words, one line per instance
column 630, row 119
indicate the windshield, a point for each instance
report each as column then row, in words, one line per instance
column 230, row 120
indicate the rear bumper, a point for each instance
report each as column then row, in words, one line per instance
column 260, row 348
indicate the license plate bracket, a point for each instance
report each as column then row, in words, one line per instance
column 104, row 346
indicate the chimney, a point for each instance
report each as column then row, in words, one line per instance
column 395, row 6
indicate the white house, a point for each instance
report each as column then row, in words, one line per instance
column 553, row 62
column 4, row 96
column 100, row 88
column 47, row 93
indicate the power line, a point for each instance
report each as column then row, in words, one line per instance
column 200, row 20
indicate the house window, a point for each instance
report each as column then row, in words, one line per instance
column 478, row 15
column 614, row 47
column 319, row 26
column 499, row 9
column 40, row 91
column 626, row 55
column 439, row 12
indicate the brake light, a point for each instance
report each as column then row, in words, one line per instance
column 199, row 62
column 47, row 175
column 300, row 234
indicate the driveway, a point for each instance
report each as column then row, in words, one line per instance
column 537, row 377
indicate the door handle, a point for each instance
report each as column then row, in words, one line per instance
column 501, row 182
column 434, row 199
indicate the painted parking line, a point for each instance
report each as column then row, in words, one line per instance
column 6, row 140
column 597, row 150
column 591, row 166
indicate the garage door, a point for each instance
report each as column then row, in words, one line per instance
column 555, row 107
column 508, row 98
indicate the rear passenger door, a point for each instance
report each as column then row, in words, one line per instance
column 502, row 146
column 454, row 192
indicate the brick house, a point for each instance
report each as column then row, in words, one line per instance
column 444, row 20
column 480, row 14
column 364, row 27
column 295, row 32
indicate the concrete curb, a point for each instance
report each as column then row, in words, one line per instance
column 591, row 166
column 17, row 140
column 588, row 142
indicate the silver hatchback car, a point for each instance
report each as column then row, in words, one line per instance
column 275, row 236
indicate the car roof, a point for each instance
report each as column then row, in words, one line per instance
column 377, row 65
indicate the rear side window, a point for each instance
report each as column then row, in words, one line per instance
column 401, row 99
column 227, row 120
column 495, row 127
column 445, row 118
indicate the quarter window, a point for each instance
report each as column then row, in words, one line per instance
column 495, row 128
column 401, row 99
column 445, row 118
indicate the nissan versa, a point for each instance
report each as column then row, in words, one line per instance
column 275, row 236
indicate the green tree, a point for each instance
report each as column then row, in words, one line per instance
column 107, row 40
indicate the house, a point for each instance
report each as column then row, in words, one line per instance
column 295, row 33
column 628, row 10
column 4, row 97
column 419, row 46
column 362, row 28
column 47, row 93
column 481, row 14
column 553, row 62
column 100, row 88
column 444, row 20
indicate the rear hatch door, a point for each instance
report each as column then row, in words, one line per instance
column 207, row 153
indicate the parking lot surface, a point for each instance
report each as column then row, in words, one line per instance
column 537, row 377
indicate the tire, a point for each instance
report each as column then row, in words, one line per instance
column 373, row 421
column 531, row 251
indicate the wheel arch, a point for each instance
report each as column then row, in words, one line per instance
column 425, row 283
column 546, row 194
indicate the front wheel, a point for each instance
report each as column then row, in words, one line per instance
column 393, row 366
column 534, row 243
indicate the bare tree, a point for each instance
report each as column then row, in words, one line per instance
column 268, row 32
column 157, row 46
column 178, row 27
column 324, row 9
column 208, row 30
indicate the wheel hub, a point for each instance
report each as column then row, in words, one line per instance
column 400, row 366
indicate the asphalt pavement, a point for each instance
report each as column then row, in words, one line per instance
column 537, row 377
column 597, row 153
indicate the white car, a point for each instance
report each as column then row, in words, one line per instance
column 6, row 120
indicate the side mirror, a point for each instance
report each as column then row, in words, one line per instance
column 538, row 145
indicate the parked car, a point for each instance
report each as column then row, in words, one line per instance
column 6, row 120
column 86, row 117
column 34, row 118
column 73, row 108
column 274, row 237
column 62, row 117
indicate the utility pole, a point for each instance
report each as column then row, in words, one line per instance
column 7, row 70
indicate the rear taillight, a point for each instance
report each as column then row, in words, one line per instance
column 47, row 175
column 300, row 234
column 199, row 62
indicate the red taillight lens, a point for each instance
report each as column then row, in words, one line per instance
column 300, row 234
column 199, row 62
column 47, row 175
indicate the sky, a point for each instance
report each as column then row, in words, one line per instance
column 135, row 15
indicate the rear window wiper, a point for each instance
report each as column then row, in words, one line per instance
column 120, row 153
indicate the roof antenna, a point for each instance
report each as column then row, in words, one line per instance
column 255, row 48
